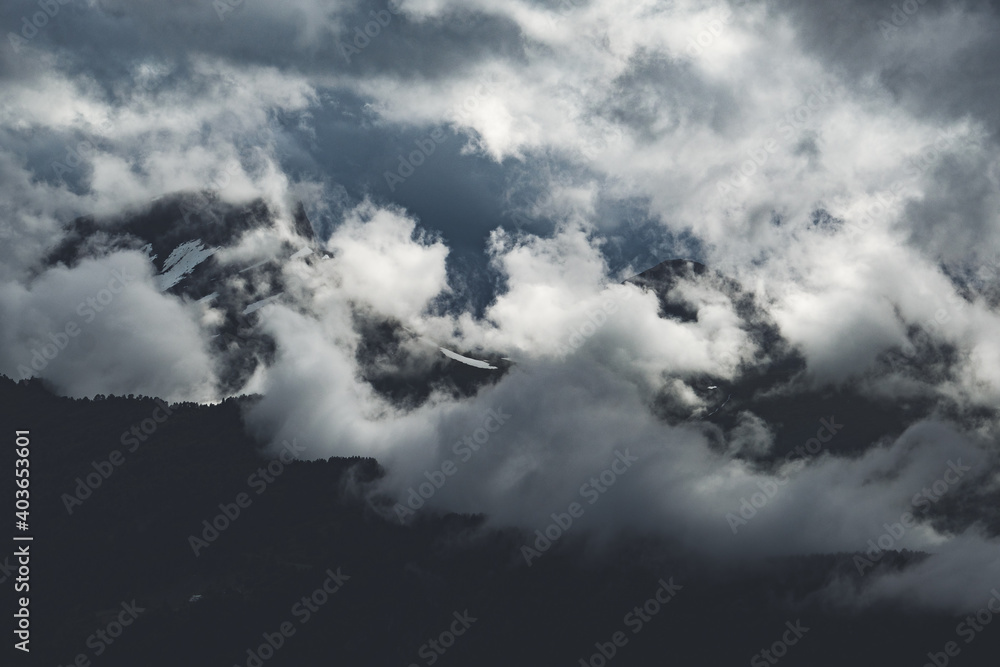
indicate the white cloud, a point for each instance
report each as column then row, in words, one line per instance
column 381, row 260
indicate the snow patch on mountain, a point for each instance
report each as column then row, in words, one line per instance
column 181, row 262
column 466, row 360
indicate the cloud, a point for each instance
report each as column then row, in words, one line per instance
column 838, row 178
column 104, row 326
column 380, row 263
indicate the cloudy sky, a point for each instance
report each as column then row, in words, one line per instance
column 483, row 176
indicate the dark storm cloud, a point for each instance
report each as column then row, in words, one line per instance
column 955, row 219
column 934, row 56
column 510, row 160
column 937, row 60
column 659, row 94
column 305, row 36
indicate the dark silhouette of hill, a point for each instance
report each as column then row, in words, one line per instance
column 130, row 541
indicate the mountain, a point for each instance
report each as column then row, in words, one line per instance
column 176, row 510
column 183, row 233
column 130, row 542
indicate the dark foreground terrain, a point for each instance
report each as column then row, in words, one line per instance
column 446, row 590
